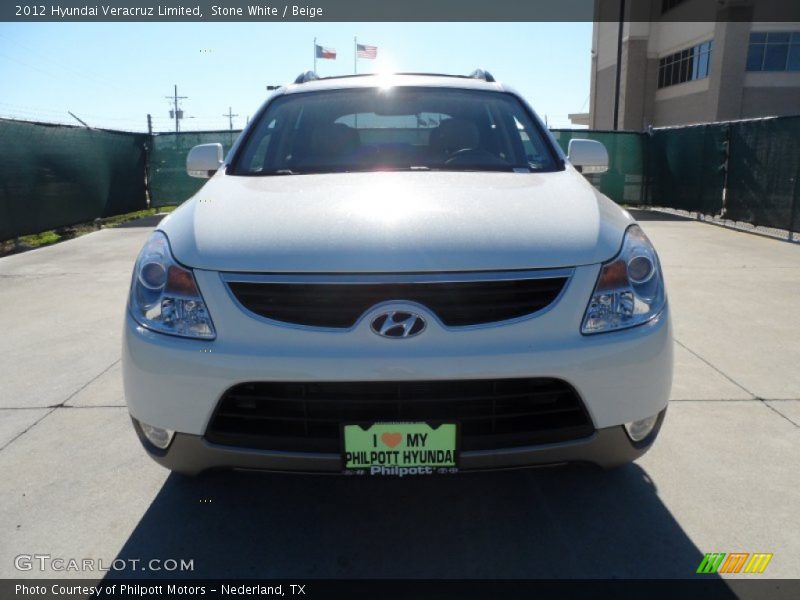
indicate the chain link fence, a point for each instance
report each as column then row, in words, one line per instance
column 166, row 164
column 57, row 175
column 763, row 173
column 625, row 180
column 743, row 171
column 687, row 167
column 61, row 175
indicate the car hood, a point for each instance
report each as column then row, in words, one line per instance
column 395, row 222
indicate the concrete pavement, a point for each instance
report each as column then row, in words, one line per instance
column 723, row 477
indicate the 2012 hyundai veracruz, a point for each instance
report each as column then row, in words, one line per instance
column 396, row 275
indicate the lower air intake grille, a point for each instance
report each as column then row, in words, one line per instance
column 307, row 417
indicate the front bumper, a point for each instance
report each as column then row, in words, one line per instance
column 176, row 383
column 606, row 448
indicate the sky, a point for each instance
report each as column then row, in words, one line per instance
column 112, row 75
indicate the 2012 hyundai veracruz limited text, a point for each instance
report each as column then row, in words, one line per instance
column 396, row 275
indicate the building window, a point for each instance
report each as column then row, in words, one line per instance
column 686, row 65
column 774, row 51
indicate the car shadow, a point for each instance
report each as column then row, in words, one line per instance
column 572, row 522
column 151, row 221
column 656, row 215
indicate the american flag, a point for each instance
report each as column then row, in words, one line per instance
column 323, row 52
column 363, row 51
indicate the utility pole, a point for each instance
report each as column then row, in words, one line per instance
column 175, row 112
column 619, row 63
column 230, row 116
column 149, row 124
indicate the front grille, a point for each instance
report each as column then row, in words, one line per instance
column 340, row 305
column 307, row 417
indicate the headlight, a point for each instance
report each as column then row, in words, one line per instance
column 630, row 289
column 164, row 296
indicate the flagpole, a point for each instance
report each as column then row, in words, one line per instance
column 355, row 71
column 315, row 55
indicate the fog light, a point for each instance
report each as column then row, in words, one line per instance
column 638, row 430
column 160, row 438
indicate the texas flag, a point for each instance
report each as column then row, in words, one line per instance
column 323, row 52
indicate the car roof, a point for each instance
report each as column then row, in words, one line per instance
column 393, row 80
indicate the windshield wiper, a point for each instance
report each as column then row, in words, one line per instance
column 280, row 172
column 408, row 168
column 344, row 170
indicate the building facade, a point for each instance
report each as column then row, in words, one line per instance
column 676, row 72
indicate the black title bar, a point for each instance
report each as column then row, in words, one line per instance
column 707, row 587
column 399, row 10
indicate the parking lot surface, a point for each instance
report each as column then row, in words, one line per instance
column 723, row 476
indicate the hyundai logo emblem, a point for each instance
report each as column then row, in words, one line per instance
column 398, row 324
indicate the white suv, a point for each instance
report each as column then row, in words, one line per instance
column 396, row 275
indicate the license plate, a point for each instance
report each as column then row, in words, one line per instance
column 400, row 449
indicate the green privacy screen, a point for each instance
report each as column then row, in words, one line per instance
column 169, row 183
column 681, row 167
column 59, row 175
column 56, row 175
column 624, row 182
column 763, row 186
column 686, row 167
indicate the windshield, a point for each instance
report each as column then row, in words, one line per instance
column 400, row 128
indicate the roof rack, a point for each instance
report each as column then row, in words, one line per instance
column 306, row 77
column 482, row 74
column 476, row 74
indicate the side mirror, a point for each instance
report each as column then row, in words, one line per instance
column 204, row 160
column 588, row 156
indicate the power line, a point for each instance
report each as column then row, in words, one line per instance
column 50, row 114
column 61, row 66
column 30, row 66
column 45, row 115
